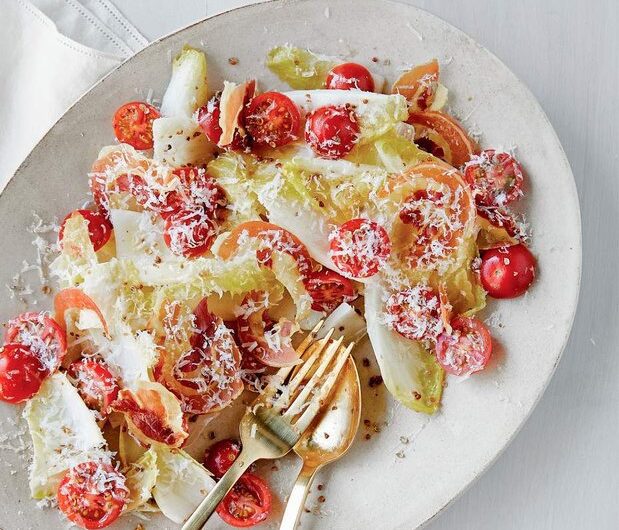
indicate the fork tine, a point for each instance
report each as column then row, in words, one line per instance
column 280, row 376
column 312, row 353
column 310, row 338
column 295, row 407
column 317, row 401
column 315, row 352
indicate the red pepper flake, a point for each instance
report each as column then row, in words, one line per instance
column 321, row 498
column 416, row 395
column 375, row 381
column 365, row 362
column 233, row 61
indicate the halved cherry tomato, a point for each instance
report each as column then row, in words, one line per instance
column 350, row 76
column 418, row 85
column 42, row 335
column 495, row 178
column 272, row 120
column 21, row 373
column 208, row 119
column 73, row 298
column 99, row 227
column 220, row 456
column 247, row 504
column 415, row 313
column 133, row 124
column 198, row 191
column 205, row 377
column 328, row 289
column 95, row 383
column 189, row 233
column 92, row 494
column 441, row 135
column 267, row 341
column 272, row 238
column 359, row 247
column 466, row 349
column 332, row 131
column 507, row 272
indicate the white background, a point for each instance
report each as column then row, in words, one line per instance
column 561, row 472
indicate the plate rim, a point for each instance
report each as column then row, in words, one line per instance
column 529, row 95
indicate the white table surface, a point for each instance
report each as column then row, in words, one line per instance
column 561, row 471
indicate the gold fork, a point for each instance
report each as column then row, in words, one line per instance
column 281, row 414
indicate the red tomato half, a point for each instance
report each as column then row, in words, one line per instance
column 332, row 131
column 466, row 349
column 208, row 119
column 92, row 495
column 247, row 504
column 328, row 289
column 272, row 120
column 95, row 383
column 133, row 124
column 350, row 76
column 507, row 272
column 359, row 247
column 189, row 233
column 495, row 178
column 42, row 335
column 415, row 313
column 21, row 373
column 220, row 456
column 99, row 227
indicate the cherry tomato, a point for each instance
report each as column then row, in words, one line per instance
column 359, row 247
column 92, row 494
column 198, row 191
column 208, row 119
column 21, row 373
column 220, row 456
column 441, row 135
column 328, row 289
column 415, row 313
column 133, row 124
column 99, row 227
column 332, row 131
column 466, row 349
column 272, row 119
column 495, row 178
column 189, row 233
column 95, row 383
column 42, row 335
column 350, row 76
column 507, row 272
column 247, row 504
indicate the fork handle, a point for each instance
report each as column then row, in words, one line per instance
column 296, row 501
column 206, row 508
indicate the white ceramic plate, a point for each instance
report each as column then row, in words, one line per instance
column 371, row 487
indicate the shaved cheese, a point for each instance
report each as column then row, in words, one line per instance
column 64, row 433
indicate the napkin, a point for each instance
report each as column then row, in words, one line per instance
column 51, row 52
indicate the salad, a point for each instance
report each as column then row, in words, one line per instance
column 224, row 223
